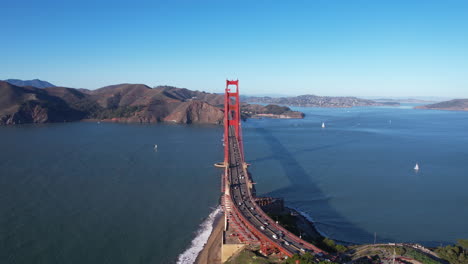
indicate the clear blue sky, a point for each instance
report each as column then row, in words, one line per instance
column 323, row 47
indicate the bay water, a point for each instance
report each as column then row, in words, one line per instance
column 101, row 193
column 355, row 178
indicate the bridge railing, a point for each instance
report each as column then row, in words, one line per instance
column 256, row 232
column 289, row 234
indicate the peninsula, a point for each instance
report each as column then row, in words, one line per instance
column 269, row 111
column 454, row 105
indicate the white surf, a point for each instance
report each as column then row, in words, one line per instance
column 203, row 233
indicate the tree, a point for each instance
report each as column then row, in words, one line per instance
column 463, row 243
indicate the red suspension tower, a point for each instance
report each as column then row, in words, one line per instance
column 232, row 117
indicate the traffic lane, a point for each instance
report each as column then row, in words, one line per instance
column 245, row 204
column 264, row 222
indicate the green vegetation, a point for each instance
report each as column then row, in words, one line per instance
column 331, row 246
column 456, row 254
column 387, row 252
column 287, row 221
column 421, row 257
column 276, row 109
column 247, row 110
column 248, row 257
column 123, row 111
column 87, row 106
column 307, row 258
column 463, row 243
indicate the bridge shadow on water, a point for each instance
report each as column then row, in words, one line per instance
column 303, row 193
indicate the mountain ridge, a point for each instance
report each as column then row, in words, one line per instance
column 34, row 83
column 28, row 104
column 121, row 102
column 128, row 102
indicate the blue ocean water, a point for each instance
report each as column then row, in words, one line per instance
column 100, row 193
column 355, row 177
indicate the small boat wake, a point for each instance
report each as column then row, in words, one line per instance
column 203, row 233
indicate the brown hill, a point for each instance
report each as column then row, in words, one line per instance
column 140, row 103
column 33, row 105
column 119, row 95
column 195, row 112
column 122, row 102
column 187, row 95
column 456, row 104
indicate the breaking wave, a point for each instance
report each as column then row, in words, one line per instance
column 310, row 219
column 203, row 233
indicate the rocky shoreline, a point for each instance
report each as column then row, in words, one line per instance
column 211, row 252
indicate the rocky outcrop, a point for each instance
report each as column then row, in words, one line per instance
column 196, row 112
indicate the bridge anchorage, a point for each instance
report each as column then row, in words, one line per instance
column 245, row 223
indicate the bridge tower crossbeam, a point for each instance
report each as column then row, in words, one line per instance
column 232, row 117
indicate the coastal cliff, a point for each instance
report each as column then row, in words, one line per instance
column 117, row 103
column 121, row 103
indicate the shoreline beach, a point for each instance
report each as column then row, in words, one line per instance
column 211, row 252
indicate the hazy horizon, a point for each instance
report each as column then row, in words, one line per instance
column 394, row 97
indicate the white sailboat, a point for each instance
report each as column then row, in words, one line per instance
column 416, row 167
column 323, row 125
column 155, row 146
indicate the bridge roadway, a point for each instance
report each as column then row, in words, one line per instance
column 243, row 200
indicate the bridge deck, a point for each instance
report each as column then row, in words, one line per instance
column 243, row 201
